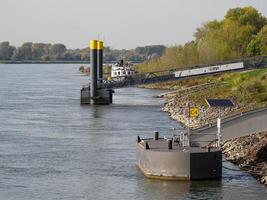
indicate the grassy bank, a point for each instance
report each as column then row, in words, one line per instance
column 248, row 88
column 248, row 91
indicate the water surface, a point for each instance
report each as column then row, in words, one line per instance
column 53, row 148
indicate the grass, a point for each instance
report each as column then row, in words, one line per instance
column 247, row 89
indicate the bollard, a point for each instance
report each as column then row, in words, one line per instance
column 209, row 149
column 111, row 95
column 93, row 73
column 146, row 146
column 156, row 136
column 138, row 139
column 100, row 61
column 169, row 144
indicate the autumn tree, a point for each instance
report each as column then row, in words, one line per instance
column 6, row 51
column 258, row 45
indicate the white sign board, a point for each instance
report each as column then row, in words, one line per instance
column 210, row 69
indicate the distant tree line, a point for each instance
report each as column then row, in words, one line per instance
column 58, row 52
column 242, row 33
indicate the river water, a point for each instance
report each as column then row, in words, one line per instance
column 53, row 148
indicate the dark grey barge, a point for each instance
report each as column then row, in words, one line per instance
column 168, row 159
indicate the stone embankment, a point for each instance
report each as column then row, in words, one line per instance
column 249, row 153
column 177, row 107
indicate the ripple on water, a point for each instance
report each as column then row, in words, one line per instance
column 53, row 148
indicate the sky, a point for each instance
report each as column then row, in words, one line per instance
column 122, row 24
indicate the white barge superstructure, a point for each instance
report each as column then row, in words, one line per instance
column 122, row 70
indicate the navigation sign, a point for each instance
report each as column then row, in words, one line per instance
column 194, row 112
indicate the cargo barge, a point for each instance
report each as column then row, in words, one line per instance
column 175, row 159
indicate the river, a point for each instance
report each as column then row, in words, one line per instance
column 53, row 148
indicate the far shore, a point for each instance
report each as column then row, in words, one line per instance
column 43, row 62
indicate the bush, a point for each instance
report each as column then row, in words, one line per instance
column 255, row 87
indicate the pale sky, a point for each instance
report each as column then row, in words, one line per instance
column 122, row 23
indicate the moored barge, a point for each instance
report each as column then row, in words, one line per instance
column 175, row 159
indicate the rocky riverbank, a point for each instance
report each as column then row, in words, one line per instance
column 249, row 153
column 177, row 106
column 247, row 89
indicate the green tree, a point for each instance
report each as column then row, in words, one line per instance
column 6, row 51
column 246, row 16
column 56, row 51
column 38, row 50
column 241, row 33
column 258, row 45
column 262, row 36
column 254, row 47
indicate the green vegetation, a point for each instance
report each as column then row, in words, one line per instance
column 242, row 33
column 247, row 89
column 107, row 70
column 58, row 52
column 139, row 54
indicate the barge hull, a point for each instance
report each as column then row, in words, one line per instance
column 178, row 164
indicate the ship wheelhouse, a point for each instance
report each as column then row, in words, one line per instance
column 122, row 70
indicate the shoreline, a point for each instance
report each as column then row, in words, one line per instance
column 44, row 62
column 176, row 106
column 247, row 152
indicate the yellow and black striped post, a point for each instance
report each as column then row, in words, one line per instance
column 93, row 72
column 100, row 61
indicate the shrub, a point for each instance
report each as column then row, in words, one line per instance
column 255, row 87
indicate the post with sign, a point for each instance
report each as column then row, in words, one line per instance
column 188, row 127
column 219, row 132
column 192, row 112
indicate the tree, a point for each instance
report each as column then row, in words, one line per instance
column 38, row 50
column 254, row 47
column 17, row 55
column 246, row 16
column 242, row 32
column 26, row 50
column 262, row 36
column 57, row 49
column 149, row 50
column 212, row 43
column 258, row 45
column 6, row 51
